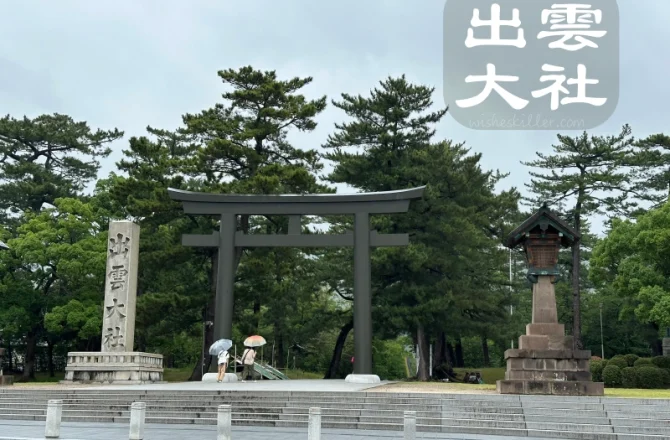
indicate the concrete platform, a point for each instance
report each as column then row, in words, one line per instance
column 261, row 385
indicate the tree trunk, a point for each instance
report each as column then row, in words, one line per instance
column 29, row 360
column 485, row 351
column 279, row 341
column 422, row 341
column 257, row 314
column 50, row 354
column 460, row 363
column 440, row 351
column 576, row 297
column 11, row 355
column 337, row 351
column 451, row 355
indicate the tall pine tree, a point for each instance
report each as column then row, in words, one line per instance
column 450, row 260
column 585, row 176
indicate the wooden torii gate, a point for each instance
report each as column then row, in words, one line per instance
column 361, row 206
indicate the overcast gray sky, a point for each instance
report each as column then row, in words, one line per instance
column 131, row 64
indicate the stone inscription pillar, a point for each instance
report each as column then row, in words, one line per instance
column 118, row 321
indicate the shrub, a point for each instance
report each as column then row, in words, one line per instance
column 612, row 376
column 649, row 377
column 597, row 368
column 665, row 376
column 631, row 358
column 618, row 361
column 661, row 361
column 644, row 362
column 629, row 377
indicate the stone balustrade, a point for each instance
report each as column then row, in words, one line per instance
column 88, row 358
column 114, row 367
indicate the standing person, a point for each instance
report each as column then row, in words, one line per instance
column 223, row 364
column 248, row 359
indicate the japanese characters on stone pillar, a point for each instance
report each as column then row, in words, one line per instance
column 118, row 322
column 551, row 65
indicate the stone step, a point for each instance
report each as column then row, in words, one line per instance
column 642, row 430
column 569, row 427
column 639, row 414
column 631, row 421
column 563, row 412
column 462, row 427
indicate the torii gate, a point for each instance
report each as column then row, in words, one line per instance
column 229, row 206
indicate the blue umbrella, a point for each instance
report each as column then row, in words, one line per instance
column 219, row 346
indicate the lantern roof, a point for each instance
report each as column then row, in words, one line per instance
column 542, row 221
column 3, row 246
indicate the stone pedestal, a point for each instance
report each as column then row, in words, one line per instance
column 545, row 362
column 127, row 368
column 117, row 363
column 228, row 377
column 362, row 378
column 666, row 346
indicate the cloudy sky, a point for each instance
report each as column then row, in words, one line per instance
column 129, row 64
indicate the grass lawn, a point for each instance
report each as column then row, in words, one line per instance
column 637, row 393
column 490, row 375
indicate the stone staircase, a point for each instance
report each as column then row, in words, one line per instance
column 588, row 418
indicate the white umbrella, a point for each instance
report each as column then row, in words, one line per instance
column 219, row 346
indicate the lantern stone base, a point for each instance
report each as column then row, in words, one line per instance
column 666, row 346
column 127, row 368
column 549, row 371
column 6, row 380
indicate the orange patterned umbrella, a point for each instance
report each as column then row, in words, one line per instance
column 255, row 341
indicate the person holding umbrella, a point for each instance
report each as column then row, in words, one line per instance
column 220, row 350
column 249, row 355
column 223, row 364
column 248, row 359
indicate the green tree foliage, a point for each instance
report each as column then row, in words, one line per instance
column 57, row 257
column 452, row 260
column 450, row 287
column 238, row 146
column 632, row 261
column 585, row 175
column 653, row 167
column 46, row 158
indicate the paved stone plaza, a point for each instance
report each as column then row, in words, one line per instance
column 15, row 430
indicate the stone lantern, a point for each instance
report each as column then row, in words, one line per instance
column 546, row 362
column 542, row 239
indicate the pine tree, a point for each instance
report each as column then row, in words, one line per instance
column 652, row 162
column 441, row 275
column 584, row 176
column 42, row 160
column 238, row 146
column 47, row 158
